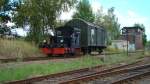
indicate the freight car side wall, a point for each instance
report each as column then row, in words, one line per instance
column 84, row 36
column 90, row 35
column 83, row 31
column 101, row 37
column 96, row 37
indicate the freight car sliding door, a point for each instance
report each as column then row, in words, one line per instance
column 91, row 36
column 99, row 37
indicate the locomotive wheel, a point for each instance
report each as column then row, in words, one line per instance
column 87, row 51
column 100, row 51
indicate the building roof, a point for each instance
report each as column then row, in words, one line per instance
column 132, row 28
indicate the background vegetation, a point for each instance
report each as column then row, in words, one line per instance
column 43, row 15
column 40, row 18
column 18, row 49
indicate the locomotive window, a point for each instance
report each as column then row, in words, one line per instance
column 61, row 40
column 58, row 33
column 77, row 34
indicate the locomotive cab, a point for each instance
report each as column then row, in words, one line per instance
column 58, row 41
column 67, row 40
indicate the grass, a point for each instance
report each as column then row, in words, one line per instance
column 26, row 71
column 117, row 58
column 147, row 53
column 110, row 49
column 31, row 70
column 17, row 49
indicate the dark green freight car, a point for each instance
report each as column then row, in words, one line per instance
column 92, row 37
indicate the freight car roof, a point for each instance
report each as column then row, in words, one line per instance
column 87, row 23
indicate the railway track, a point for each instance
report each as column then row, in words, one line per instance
column 36, row 79
column 71, row 76
column 136, row 73
column 50, row 58
column 35, row 59
column 118, row 76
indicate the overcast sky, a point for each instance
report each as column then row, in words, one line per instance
column 127, row 11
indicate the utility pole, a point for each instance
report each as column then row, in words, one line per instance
column 127, row 40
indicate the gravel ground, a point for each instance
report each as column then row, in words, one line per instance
column 145, row 81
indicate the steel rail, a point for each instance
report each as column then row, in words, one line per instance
column 34, row 59
column 31, row 80
column 131, row 77
column 103, row 73
column 50, row 58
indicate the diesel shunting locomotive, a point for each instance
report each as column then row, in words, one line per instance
column 74, row 37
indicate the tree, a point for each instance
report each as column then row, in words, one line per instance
column 148, row 45
column 110, row 22
column 7, row 6
column 84, row 11
column 40, row 14
column 99, row 17
column 4, row 5
column 144, row 37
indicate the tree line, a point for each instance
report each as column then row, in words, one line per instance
column 43, row 14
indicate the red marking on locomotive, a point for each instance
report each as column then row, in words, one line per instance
column 58, row 51
column 77, row 50
column 46, row 50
